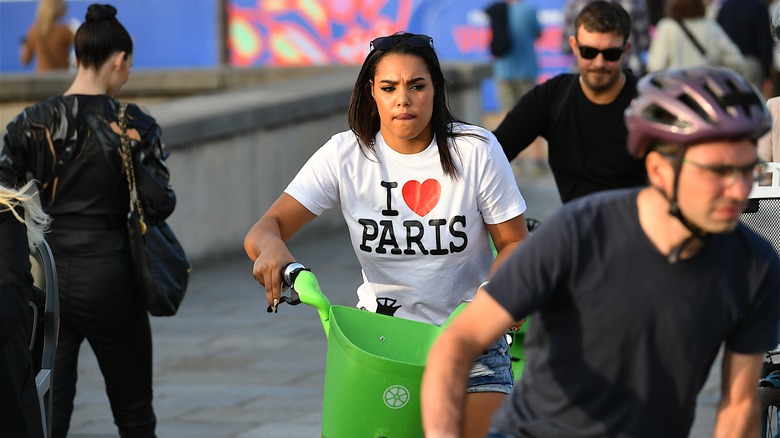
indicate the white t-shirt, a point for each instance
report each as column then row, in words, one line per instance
column 420, row 236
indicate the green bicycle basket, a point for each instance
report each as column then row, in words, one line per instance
column 372, row 379
column 516, row 339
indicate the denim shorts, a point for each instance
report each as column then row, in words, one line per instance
column 492, row 370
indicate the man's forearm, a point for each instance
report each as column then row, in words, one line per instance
column 737, row 420
column 738, row 410
column 444, row 389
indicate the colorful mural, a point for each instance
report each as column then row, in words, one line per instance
column 310, row 32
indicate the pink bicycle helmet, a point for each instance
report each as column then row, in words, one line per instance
column 691, row 105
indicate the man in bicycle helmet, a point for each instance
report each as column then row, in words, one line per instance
column 634, row 291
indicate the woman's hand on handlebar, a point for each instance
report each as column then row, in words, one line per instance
column 268, row 267
column 264, row 243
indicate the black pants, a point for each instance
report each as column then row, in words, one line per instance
column 20, row 413
column 98, row 302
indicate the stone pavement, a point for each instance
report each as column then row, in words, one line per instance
column 224, row 368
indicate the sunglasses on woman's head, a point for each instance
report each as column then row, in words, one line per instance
column 417, row 41
column 612, row 54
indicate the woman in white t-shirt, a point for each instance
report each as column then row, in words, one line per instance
column 422, row 194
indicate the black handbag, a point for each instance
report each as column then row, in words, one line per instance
column 162, row 270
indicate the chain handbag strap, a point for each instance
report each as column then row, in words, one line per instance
column 127, row 161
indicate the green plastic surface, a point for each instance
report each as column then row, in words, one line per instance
column 372, row 380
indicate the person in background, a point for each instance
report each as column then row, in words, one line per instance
column 48, row 41
column 673, row 47
column 655, row 12
column 769, row 145
column 22, row 224
column 422, row 193
column 516, row 72
column 639, row 37
column 634, row 291
column 774, row 8
column 742, row 21
column 71, row 145
column 581, row 115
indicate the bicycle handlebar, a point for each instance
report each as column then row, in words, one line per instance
column 290, row 273
column 305, row 289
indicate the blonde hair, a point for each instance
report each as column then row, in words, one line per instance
column 35, row 219
column 48, row 12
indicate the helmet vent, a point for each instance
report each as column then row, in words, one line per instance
column 737, row 98
column 656, row 82
column 694, row 105
column 744, row 100
column 711, row 92
column 659, row 114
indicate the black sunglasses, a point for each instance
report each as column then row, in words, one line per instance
column 612, row 54
column 414, row 40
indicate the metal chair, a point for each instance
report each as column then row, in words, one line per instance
column 763, row 216
column 763, row 212
column 44, row 327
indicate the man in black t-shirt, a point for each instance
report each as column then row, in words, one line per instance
column 581, row 115
column 633, row 291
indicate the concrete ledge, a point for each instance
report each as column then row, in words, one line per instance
column 29, row 87
column 193, row 120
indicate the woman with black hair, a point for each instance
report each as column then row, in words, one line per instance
column 71, row 145
column 422, row 193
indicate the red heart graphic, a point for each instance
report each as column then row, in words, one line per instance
column 421, row 198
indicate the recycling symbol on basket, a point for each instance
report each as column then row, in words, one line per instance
column 396, row 396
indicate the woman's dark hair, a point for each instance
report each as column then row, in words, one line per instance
column 685, row 9
column 100, row 36
column 364, row 117
column 604, row 17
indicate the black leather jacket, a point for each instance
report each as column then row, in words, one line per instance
column 71, row 145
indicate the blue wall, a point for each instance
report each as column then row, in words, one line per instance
column 166, row 33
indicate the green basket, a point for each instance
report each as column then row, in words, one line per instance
column 516, row 339
column 372, row 380
column 374, row 367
